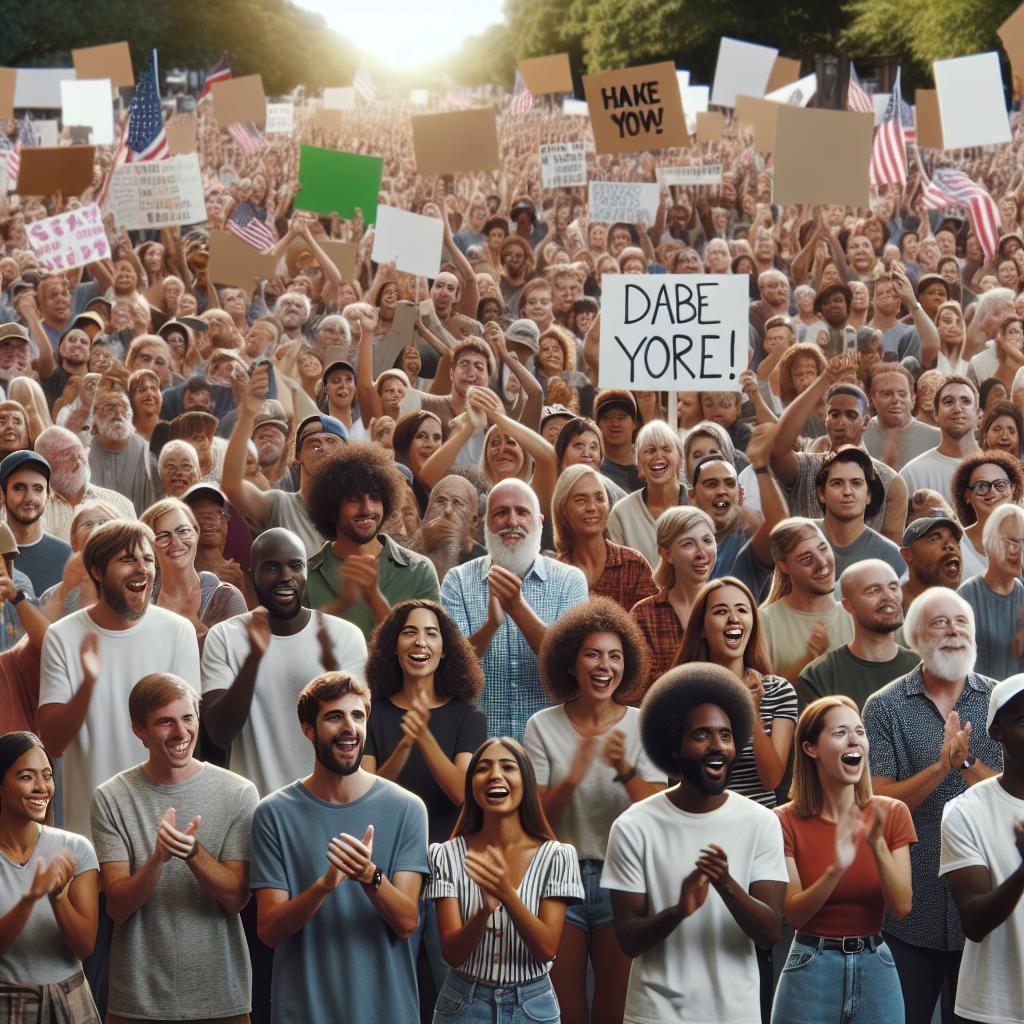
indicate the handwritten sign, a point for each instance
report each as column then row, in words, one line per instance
column 70, row 239
column 280, row 118
column 703, row 174
column 563, row 164
column 158, row 194
column 631, row 201
column 674, row 332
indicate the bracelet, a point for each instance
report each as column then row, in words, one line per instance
column 760, row 470
column 625, row 777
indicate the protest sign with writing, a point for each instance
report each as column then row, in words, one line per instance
column 334, row 182
column 542, row 75
column 702, row 174
column 39, row 88
column 280, row 118
column 674, row 332
column 70, row 239
column 8, row 82
column 636, row 109
column 409, row 240
column 742, row 68
column 87, row 104
column 157, row 194
column 45, row 171
column 340, row 98
column 623, row 200
column 971, row 101
column 181, row 133
column 457, row 140
column 239, row 100
column 563, row 164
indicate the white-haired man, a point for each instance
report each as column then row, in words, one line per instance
column 119, row 457
column 293, row 310
column 505, row 600
column 928, row 745
column 991, row 311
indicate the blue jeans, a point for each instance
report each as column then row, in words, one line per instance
column 595, row 912
column 828, row 986
column 473, row 1002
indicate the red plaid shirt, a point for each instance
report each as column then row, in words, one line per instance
column 627, row 577
column 659, row 623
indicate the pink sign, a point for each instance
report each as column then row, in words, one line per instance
column 69, row 240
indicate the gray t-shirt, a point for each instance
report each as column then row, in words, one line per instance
column 132, row 472
column 288, row 509
column 869, row 544
column 915, row 439
column 180, row 953
column 39, row 953
column 997, row 617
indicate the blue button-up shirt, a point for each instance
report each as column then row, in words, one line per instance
column 512, row 687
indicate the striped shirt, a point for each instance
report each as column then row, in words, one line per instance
column 778, row 701
column 502, row 958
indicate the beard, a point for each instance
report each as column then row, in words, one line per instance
column 27, row 519
column 444, row 556
column 65, row 483
column 517, row 558
column 119, row 604
column 116, row 431
column 325, row 755
column 692, row 773
column 949, row 665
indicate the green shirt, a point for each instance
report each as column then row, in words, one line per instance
column 840, row 672
column 404, row 575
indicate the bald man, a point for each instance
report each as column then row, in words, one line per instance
column 447, row 534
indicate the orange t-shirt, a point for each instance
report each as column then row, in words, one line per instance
column 855, row 906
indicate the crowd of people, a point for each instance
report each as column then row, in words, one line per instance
column 364, row 659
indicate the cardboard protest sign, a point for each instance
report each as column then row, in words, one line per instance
column 822, row 156
column 928, row 119
column 39, row 88
column 785, row 71
column 409, row 240
column 181, row 134
column 237, row 263
column 760, row 116
column 8, row 82
column 710, row 126
column 70, row 239
column 575, row 108
column 674, row 332
column 701, row 174
column 341, row 98
column 280, row 118
column 799, row 93
column 631, row 201
column 1011, row 34
column 971, row 101
column 239, row 99
column 158, row 194
column 542, row 75
column 457, row 140
column 742, row 68
column 326, row 120
column 87, row 104
column 563, row 164
column 334, row 182
column 636, row 109
column 343, row 256
column 113, row 61
column 46, row 170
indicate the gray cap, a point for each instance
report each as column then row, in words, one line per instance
column 524, row 332
column 919, row 527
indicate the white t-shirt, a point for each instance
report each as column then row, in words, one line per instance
column 271, row 750
column 705, row 972
column 932, row 470
column 977, row 831
column 160, row 641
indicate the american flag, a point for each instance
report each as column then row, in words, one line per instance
column 889, row 152
column 147, row 139
column 856, row 98
column 247, row 136
column 951, row 186
column 220, row 72
column 244, row 223
column 26, row 137
column 363, row 84
column 522, row 98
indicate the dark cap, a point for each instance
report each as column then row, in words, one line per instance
column 523, row 205
column 926, row 279
column 20, row 459
column 919, row 527
column 13, row 330
column 337, row 364
column 614, row 398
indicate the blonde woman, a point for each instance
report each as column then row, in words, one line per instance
column 949, row 322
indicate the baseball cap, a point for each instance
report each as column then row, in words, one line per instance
column 327, row 425
column 271, row 414
column 919, row 527
column 19, row 459
column 88, row 318
column 1001, row 695
column 13, row 330
column 524, row 332
column 551, row 411
column 614, row 398
column 337, row 364
column 205, row 490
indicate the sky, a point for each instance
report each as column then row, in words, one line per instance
column 407, row 32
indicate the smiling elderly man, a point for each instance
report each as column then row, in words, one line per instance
column 119, row 457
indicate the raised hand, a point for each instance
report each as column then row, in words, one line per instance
column 415, row 723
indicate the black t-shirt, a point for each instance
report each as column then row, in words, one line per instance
column 627, row 477
column 458, row 729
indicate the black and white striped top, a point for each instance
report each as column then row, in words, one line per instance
column 502, row 958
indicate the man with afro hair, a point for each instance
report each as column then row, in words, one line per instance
column 694, row 955
column 362, row 573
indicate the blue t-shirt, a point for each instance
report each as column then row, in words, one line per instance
column 346, row 964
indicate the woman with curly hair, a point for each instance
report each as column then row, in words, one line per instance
column 800, row 366
column 981, row 483
column 556, row 360
column 592, row 662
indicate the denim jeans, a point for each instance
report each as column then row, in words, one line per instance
column 828, row 986
column 595, row 912
column 472, row 1002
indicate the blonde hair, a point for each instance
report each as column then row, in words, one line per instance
column 567, row 480
column 784, row 537
column 671, row 525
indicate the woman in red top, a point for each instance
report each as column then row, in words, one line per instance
column 849, row 862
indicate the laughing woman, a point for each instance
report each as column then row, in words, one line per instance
column 502, row 884
column 848, row 861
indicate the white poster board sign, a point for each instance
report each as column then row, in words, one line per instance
column 280, row 118
column 971, row 101
column 39, row 88
column 674, row 332
column 798, row 93
column 343, row 98
column 575, row 108
column 409, row 240
column 87, row 103
column 743, row 69
column 631, row 201
column 158, row 194
column 702, row 174
column 695, row 101
column 70, row 239
column 563, row 164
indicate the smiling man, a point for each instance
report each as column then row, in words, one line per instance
column 716, row 490
column 119, row 457
column 931, row 549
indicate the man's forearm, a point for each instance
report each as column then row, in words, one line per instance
column 127, row 895
column 229, row 886
column 279, row 922
column 226, row 715
column 758, row 921
column 637, row 935
column 530, row 626
column 400, row 912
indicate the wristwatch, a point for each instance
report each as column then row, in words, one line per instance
column 968, row 762
column 18, row 597
column 375, row 881
column 760, row 470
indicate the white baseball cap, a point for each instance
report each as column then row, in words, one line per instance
column 1001, row 695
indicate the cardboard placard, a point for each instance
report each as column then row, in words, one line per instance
column 971, row 101
column 928, row 119
column 674, row 332
column 239, row 99
column 1011, row 34
column 280, row 118
column 343, row 256
column 785, row 71
column 8, row 83
column 237, row 263
column 633, row 110
column 181, row 133
column 326, row 120
column 543, row 75
column 710, row 126
column 799, row 93
column 759, row 115
column 341, row 98
column 575, row 108
column 563, row 164
column 335, row 182
column 630, row 201
column 822, row 156
column 87, row 104
column 701, row 174
column 409, row 240
column 113, row 61
column 158, row 193
column 458, row 140
column 742, row 68
column 44, row 170
column 69, row 240
column 39, row 88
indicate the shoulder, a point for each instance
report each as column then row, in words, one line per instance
column 317, row 560
column 79, row 845
column 229, row 782
column 750, row 810
column 397, row 797
column 888, row 699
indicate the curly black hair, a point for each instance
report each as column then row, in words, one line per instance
column 358, row 468
column 459, row 675
column 1008, row 463
column 676, row 694
column 563, row 639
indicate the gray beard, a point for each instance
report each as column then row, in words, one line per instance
column 443, row 557
column 517, row 559
column 951, row 667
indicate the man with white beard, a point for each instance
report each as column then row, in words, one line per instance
column 119, row 457
column 928, row 744
column 505, row 600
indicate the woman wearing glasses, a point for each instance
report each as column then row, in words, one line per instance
column 981, row 483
